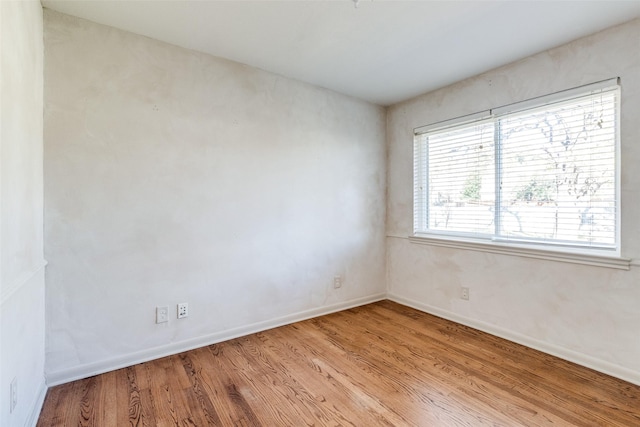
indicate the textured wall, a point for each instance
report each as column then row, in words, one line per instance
column 21, row 236
column 173, row 176
column 588, row 313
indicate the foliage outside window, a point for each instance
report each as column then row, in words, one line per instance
column 545, row 174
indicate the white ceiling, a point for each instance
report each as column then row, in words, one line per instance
column 382, row 51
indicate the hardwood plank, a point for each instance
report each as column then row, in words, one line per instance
column 368, row 376
column 298, row 363
column 298, row 397
column 438, row 375
column 107, row 400
column 448, row 375
column 383, row 364
column 216, row 384
column 164, row 395
column 198, row 391
column 572, row 384
column 70, row 413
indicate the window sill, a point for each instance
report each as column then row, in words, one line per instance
column 527, row 252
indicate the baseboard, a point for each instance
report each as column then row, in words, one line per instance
column 62, row 376
column 84, row 371
column 561, row 352
column 36, row 405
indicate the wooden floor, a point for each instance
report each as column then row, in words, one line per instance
column 378, row 365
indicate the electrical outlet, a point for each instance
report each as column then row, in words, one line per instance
column 464, row 293
column 162, row 314
column 183, row 310
column 337, row 282
column 13, row 395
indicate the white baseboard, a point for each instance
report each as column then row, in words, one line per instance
column 36, row 405
column 84, row 371
column 554, row 350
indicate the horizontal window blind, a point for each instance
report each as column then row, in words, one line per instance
column 544, row 174
column 460, row 178
column 558, row 172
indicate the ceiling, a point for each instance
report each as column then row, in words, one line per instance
column 380, row 51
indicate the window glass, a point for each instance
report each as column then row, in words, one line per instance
column 544, row 175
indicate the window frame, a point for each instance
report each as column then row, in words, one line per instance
column 551, row 250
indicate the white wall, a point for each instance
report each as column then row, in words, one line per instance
column 586, row 314
column 172, row 176
column 21, row 236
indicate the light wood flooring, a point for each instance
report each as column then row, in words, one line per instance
column 382, row 364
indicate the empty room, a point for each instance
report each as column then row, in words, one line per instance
column 327, row 213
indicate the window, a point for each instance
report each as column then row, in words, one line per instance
column 542, row 173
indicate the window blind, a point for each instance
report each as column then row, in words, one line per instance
column 542, row 172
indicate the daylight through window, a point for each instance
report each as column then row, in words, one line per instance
column 538, row 172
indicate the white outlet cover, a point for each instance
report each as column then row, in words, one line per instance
column 162, row 314
column 183, row 310
column 337, row 282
